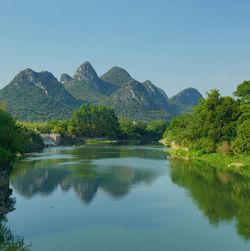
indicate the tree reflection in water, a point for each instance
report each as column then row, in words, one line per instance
column 8, row 241
column 220, row 195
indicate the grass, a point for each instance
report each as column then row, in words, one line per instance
column 237, row 163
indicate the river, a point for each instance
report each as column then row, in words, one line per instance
column 125, row 197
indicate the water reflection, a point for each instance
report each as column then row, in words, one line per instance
column 155, row 214
column 85, row 170
column 8, row 240
column 220, row 195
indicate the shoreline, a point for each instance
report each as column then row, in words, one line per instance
column 239, row 164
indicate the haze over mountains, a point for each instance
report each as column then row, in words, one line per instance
column 33, row 96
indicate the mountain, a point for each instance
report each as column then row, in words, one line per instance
column 40, row 96
column 83, row 91
column 86, row 85
column 185, row 100
column 117, row 89
column 65, row 78
column 117, row 76
column 139, row 101
column 37, row 96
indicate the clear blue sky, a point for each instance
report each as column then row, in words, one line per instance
column 174, row 43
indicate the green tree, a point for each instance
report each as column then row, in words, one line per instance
column 241, row 143
column 157, row 128
column 126, row 127
column 12, row 138
column 92, row 120
column 243, row 91
column 211, row 127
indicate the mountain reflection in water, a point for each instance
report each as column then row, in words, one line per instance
column 126, row 193
column 84, row 170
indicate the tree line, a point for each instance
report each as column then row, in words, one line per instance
column 216, row 125
column 17, row 138
column 100, row 121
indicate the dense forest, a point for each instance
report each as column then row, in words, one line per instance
column 216, row 125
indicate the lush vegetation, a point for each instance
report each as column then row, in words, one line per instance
column 141, row 130
column 16, row 139
column 92, row 121
column 217, row 125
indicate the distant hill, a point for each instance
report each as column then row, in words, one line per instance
column 40, row 96
column 139, row 101
column 127, row 96
column 117, row 76
column 185, row 100
column 86, row 85
column 37, row 96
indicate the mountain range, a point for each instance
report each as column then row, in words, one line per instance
column 39, row 96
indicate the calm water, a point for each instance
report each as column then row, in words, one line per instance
column 126, row 198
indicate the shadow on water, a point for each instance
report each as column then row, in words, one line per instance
column 8, row 240
column 85, row 170
column 220, row 195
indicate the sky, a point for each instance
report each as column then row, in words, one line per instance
column 174, row 43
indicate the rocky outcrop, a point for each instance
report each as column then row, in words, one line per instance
column 86, row 73
column 65, row 78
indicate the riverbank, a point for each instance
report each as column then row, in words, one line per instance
column 239, row 163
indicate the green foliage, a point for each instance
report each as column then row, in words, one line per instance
column 12, row 139
column 16, row 139
column 35, row 141
column 243, row 91
column 98, row 121
column 241, row 143
column 140, row 129
column 157, row 127
column 126, row 127
column 179, row 129
column 92, row 120
column 216, row 124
